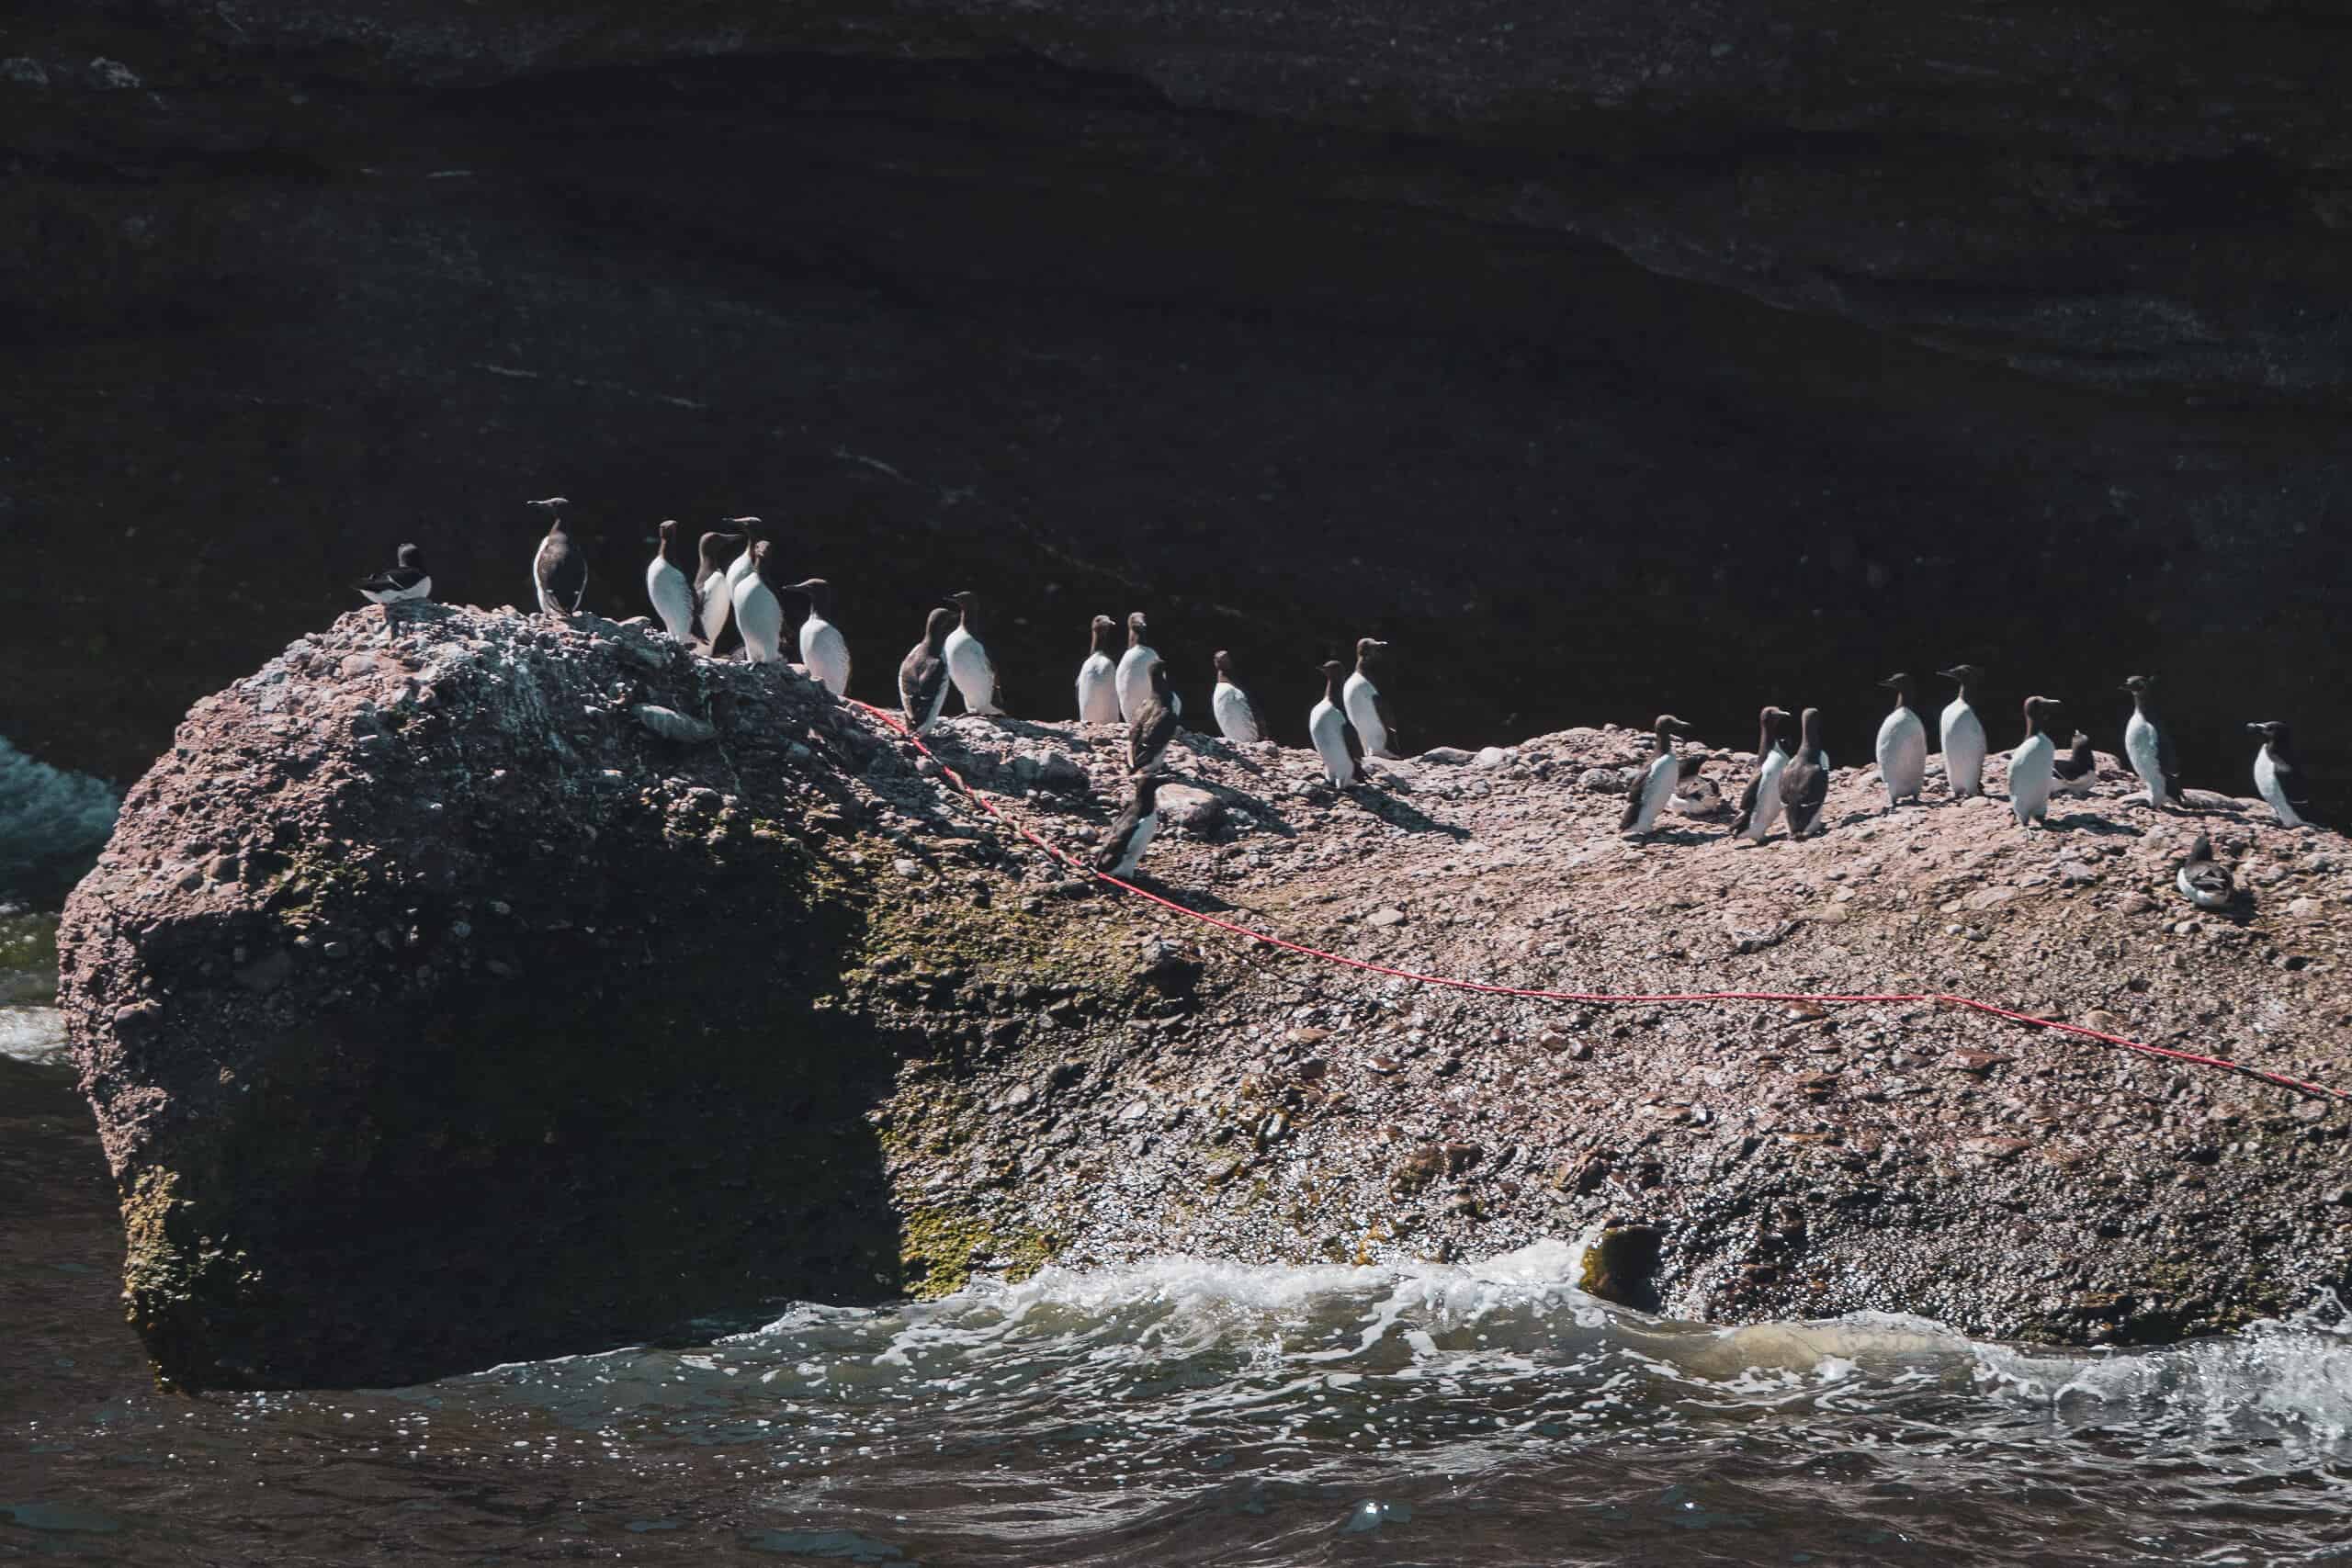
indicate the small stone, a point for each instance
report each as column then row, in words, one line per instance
column 1308, row 1036
column 2137, row 903
column 1136, row 1110
column 1390, row 916
column 1491, row 757
column 902, row 866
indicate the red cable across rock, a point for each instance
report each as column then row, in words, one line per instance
column 1595, row 997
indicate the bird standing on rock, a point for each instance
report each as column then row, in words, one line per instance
column 714, row 601
column 2275, row 777
column 2203, row 880
column 1154, row 729
column 2148, row 748
column 1759, row 804
column 1123, row 843
column 753, row 530
column 1656, row 784
column 823, row 647
column 1335, row 740
column 1902, row 746
column 1238, row 718
column 1134, row 680
column 1964, row 736
column 1804, row 782
column 1367, row 709
column 2032, row 766
column 558, row 571
column 923, row 675
column 1098, row 678
column 669, row 582
column 401, row 584
column 968, row 664
column 759, row 606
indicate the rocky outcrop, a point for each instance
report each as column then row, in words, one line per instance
column 441, row 1001
column 2023, row 330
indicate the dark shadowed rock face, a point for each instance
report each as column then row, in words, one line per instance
column 2017, row 335
column 439, row 1006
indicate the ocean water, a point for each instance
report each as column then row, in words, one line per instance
column 52, row 825
column 1184, row 1412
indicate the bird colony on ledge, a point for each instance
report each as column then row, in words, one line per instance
column 728, row 599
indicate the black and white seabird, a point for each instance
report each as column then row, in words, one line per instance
column 759, row 606
column 2148, row 748
column 968, row 664
column 1121, row 848
column 1335, row 739
column 2275, row 777
column 1804, row 782
column 559, row 571
column 1154, row 729
column 2203, row 880
column 713, row 602
column 2075, row 769
column 2032, row 766
column 1902, row 746
column 1964, row 736
column 753, row 530
column 823, row 650
column 1650, row 791
column 1760, row 803
column 407, row 580
column 670, row 583
column 1238, row 718
column 923, row 675
column 1098, row 678
column 1133, row 678
column 1367, row 709
column 1696, row 795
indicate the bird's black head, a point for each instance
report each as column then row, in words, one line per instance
column 668, row 530
column 554, row 504
column 2140, row 685
column 1966, row 674
column 2038, row 708
column 1332, row 668
column 1811, row 725
column 1773, row 717
column 815, row 589
column 749, row 527
column 2268, row 729
column 1368, row 651
column 1156, row 673
column 1669, row 725
column 936, row 629
column 1224, row 661
column 963, row 598
column 1136, row 626
column 412, row 557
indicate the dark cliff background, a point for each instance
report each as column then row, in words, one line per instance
column 1608, row 358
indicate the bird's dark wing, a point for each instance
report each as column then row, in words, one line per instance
column 563, row 572
column 382, row 582
column 1803, row 786
column 1747, row 804
column 920, row 674
column 2168, row 761
column 1633, row 816
column 1115, row 838
column 2292, row 783
column 1258, row 718
column 1692, row 761
column 1154, row 731
column 1387, row 716
column 1355, row 747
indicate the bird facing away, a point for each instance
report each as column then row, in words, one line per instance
column 1154, row 728
column 2275, row 777
column 714, row 601
column 923, row 675
column 2075, row 769
column 1760, row 803
column 558, row 571
column 1098, row 678
column 1964, row 736
column 823, row 647
column 1804, row 782
column 968, row 664
column 1902, row 746
column 1120, row 851
column 669, row 582
column 2203, row 880
column 401, row 584
column 1367, row 709
column 753, row 530
column 759, row 606
column 2032, row 766
column 1651, row 791
column 2147, row 746
column 1334, row 737
column 1238, row 718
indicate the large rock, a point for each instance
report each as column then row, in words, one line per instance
column 436, row 1011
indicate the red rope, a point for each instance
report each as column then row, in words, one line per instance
column 1603, row 998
